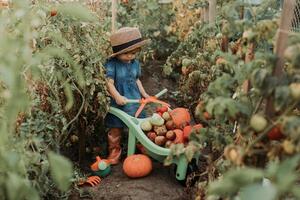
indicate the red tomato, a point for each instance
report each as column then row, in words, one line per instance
column 162, row 109
column 275, row 133
column 188, row 130
column 207, row 116
column 53, row 12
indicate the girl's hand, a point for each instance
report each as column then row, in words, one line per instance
column 121, row 100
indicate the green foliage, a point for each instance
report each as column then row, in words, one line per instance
column 237, row 50
column 154, row 20
column 52, row 82
column 62, row 178
column 277, row 180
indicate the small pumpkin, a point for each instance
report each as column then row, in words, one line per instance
column 136, row 166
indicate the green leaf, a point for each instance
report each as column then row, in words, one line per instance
column 19, row 188
column 258, row 192
column 76, row 10
column 258, row 77
column 296, row 191
column 282, row 97
column 61, row 171
column 234, row 180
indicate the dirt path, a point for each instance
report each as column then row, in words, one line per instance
column 154, row 81
column 160, row 184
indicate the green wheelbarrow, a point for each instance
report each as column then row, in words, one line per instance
column 156, row 152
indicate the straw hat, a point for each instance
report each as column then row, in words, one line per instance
column 126, row 39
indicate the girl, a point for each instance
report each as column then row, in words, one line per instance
column 122, row 77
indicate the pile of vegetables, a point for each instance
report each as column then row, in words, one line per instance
column 167, row 127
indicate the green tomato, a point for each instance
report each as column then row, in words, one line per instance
column 295, row 90
column 186, row 62
column 290, row 52
column 258, row 122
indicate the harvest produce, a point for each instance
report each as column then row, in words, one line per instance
column 163, row 131
column 136, row 166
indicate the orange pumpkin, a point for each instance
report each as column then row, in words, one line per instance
column 137, row 165
column 181, row 117
column 179, row 136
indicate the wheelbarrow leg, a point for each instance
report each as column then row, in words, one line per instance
column 181, row 168
column 131, row 143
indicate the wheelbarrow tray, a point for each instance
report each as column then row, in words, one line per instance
column 156, row 152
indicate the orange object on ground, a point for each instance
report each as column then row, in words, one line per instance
column 136, row 166
column 181, row 117
column 92, row 181
column 95, row 165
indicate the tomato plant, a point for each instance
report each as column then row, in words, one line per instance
column 241, row 135
column 56, row 82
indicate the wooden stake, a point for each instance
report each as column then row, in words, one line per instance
column 113, row 15
column 284, row 27
column 202, row 14
column 281, row 43
column 212, row 11
column 206, row 14
column 248, row 58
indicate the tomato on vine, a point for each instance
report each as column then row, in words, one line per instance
column 53, row 12
column 275, row 133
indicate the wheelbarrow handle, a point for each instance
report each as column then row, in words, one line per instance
column 161, row 93
column 133, row 101
column 157, row 96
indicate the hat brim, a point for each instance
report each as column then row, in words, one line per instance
column 131, row 48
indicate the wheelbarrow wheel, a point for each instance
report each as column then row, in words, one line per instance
column 192, row 167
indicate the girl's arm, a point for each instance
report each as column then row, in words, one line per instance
column 141, row 89
column 120, row 100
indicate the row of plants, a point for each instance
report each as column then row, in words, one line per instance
column 250, row 143
column 52, row 91
column 53, row 96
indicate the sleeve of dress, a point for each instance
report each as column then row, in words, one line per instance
column 110, row 70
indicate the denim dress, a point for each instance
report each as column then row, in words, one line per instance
column 125, row 76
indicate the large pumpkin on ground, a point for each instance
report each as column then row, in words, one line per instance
column 137, row 165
